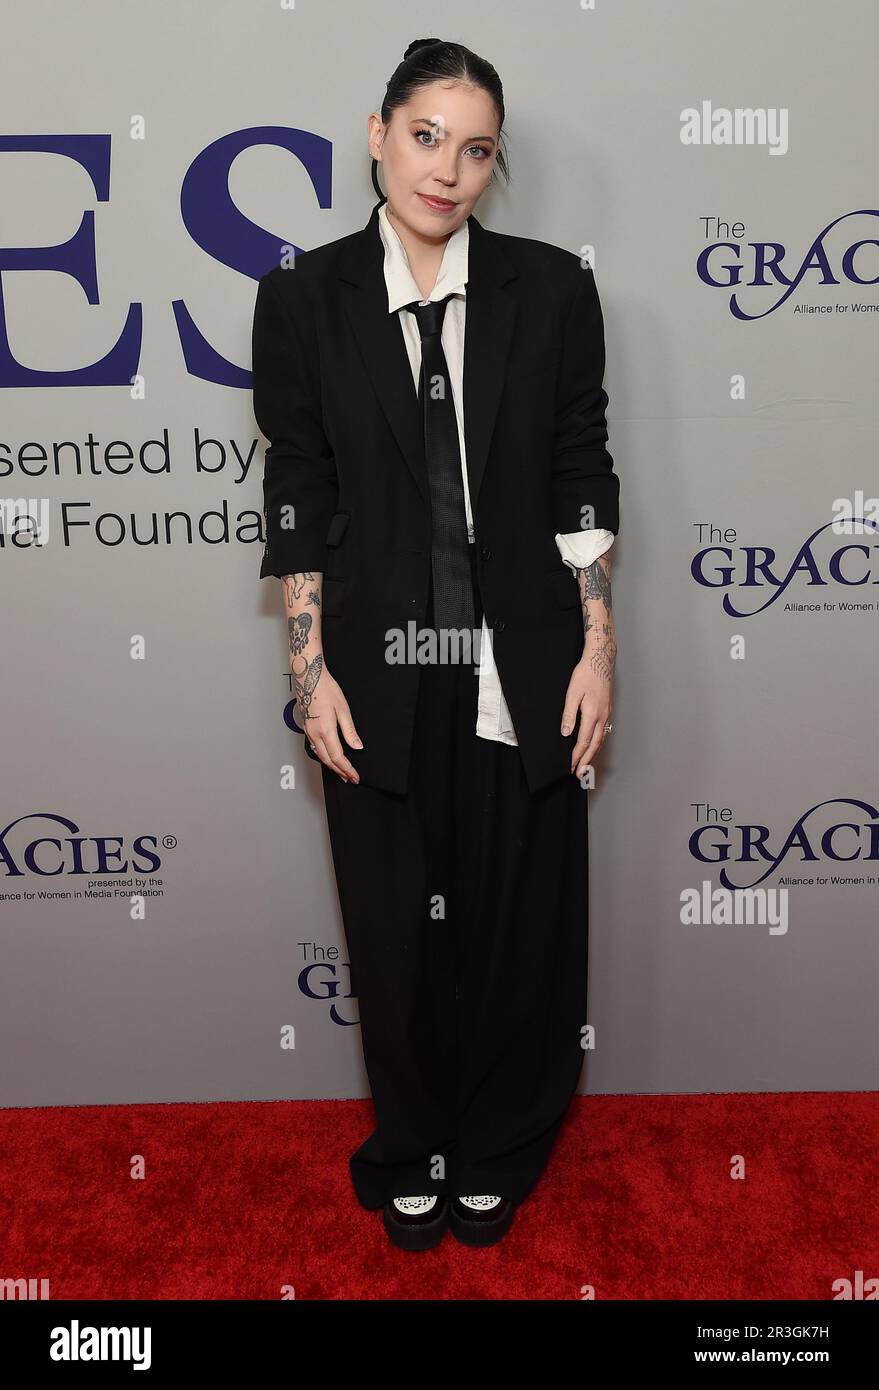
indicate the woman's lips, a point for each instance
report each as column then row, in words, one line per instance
column 437, row 204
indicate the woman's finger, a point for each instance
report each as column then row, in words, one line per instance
column 337, row 759
column 346, row 724
column 319, row 746
column 583, row 752
column 593, row 739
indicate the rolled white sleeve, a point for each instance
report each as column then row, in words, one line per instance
column 580, row 548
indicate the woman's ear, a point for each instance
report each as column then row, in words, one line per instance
column 373, row 135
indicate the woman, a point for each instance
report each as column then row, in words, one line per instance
column 438, row 502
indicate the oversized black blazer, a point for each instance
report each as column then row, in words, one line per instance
column 346, row 488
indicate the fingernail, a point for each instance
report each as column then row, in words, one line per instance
column 566, row 728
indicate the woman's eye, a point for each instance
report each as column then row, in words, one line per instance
column 481, row 152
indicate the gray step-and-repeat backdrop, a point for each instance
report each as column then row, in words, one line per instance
column 718, row 161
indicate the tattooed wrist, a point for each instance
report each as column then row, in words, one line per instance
column 305, row 683
column 601, row 651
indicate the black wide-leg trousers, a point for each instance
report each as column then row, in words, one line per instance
column 464, row 904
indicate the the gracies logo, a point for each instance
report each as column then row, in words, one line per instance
column 50, row 854
column 329, row 982
column 851, row 565
column 765, row 262
column 841, row 842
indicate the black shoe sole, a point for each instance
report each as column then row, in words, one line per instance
column 480, row 1233
column 416, row 1235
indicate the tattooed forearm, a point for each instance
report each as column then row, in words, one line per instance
column 295, row 583
column 598, row 582
column 303, row 608
column 298, row 629
column 599, row 637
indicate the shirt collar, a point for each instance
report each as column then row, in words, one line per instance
column 402, row 289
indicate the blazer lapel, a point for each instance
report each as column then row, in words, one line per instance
column 488, row 334
column 381, row 344
column 489, row 320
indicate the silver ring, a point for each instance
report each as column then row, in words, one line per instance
column 607, row 728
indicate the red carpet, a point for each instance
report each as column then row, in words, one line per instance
column 239, row 1200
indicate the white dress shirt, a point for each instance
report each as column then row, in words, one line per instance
column 578, row 549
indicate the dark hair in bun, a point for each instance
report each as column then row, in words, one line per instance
column 418, row 43
column 434, row 60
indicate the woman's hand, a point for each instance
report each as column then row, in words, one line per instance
column 323, row 711
column 591, row 695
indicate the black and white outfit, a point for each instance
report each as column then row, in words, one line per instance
column 461, row 857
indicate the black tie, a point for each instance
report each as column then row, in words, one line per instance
column 452, row 576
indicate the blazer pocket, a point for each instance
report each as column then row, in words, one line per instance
column 333, row 596
column 566, row 586
column 337, row 528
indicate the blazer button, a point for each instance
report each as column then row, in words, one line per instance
column 485, row 552
column 499, row 625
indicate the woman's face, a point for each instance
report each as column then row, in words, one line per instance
column 442, row 144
